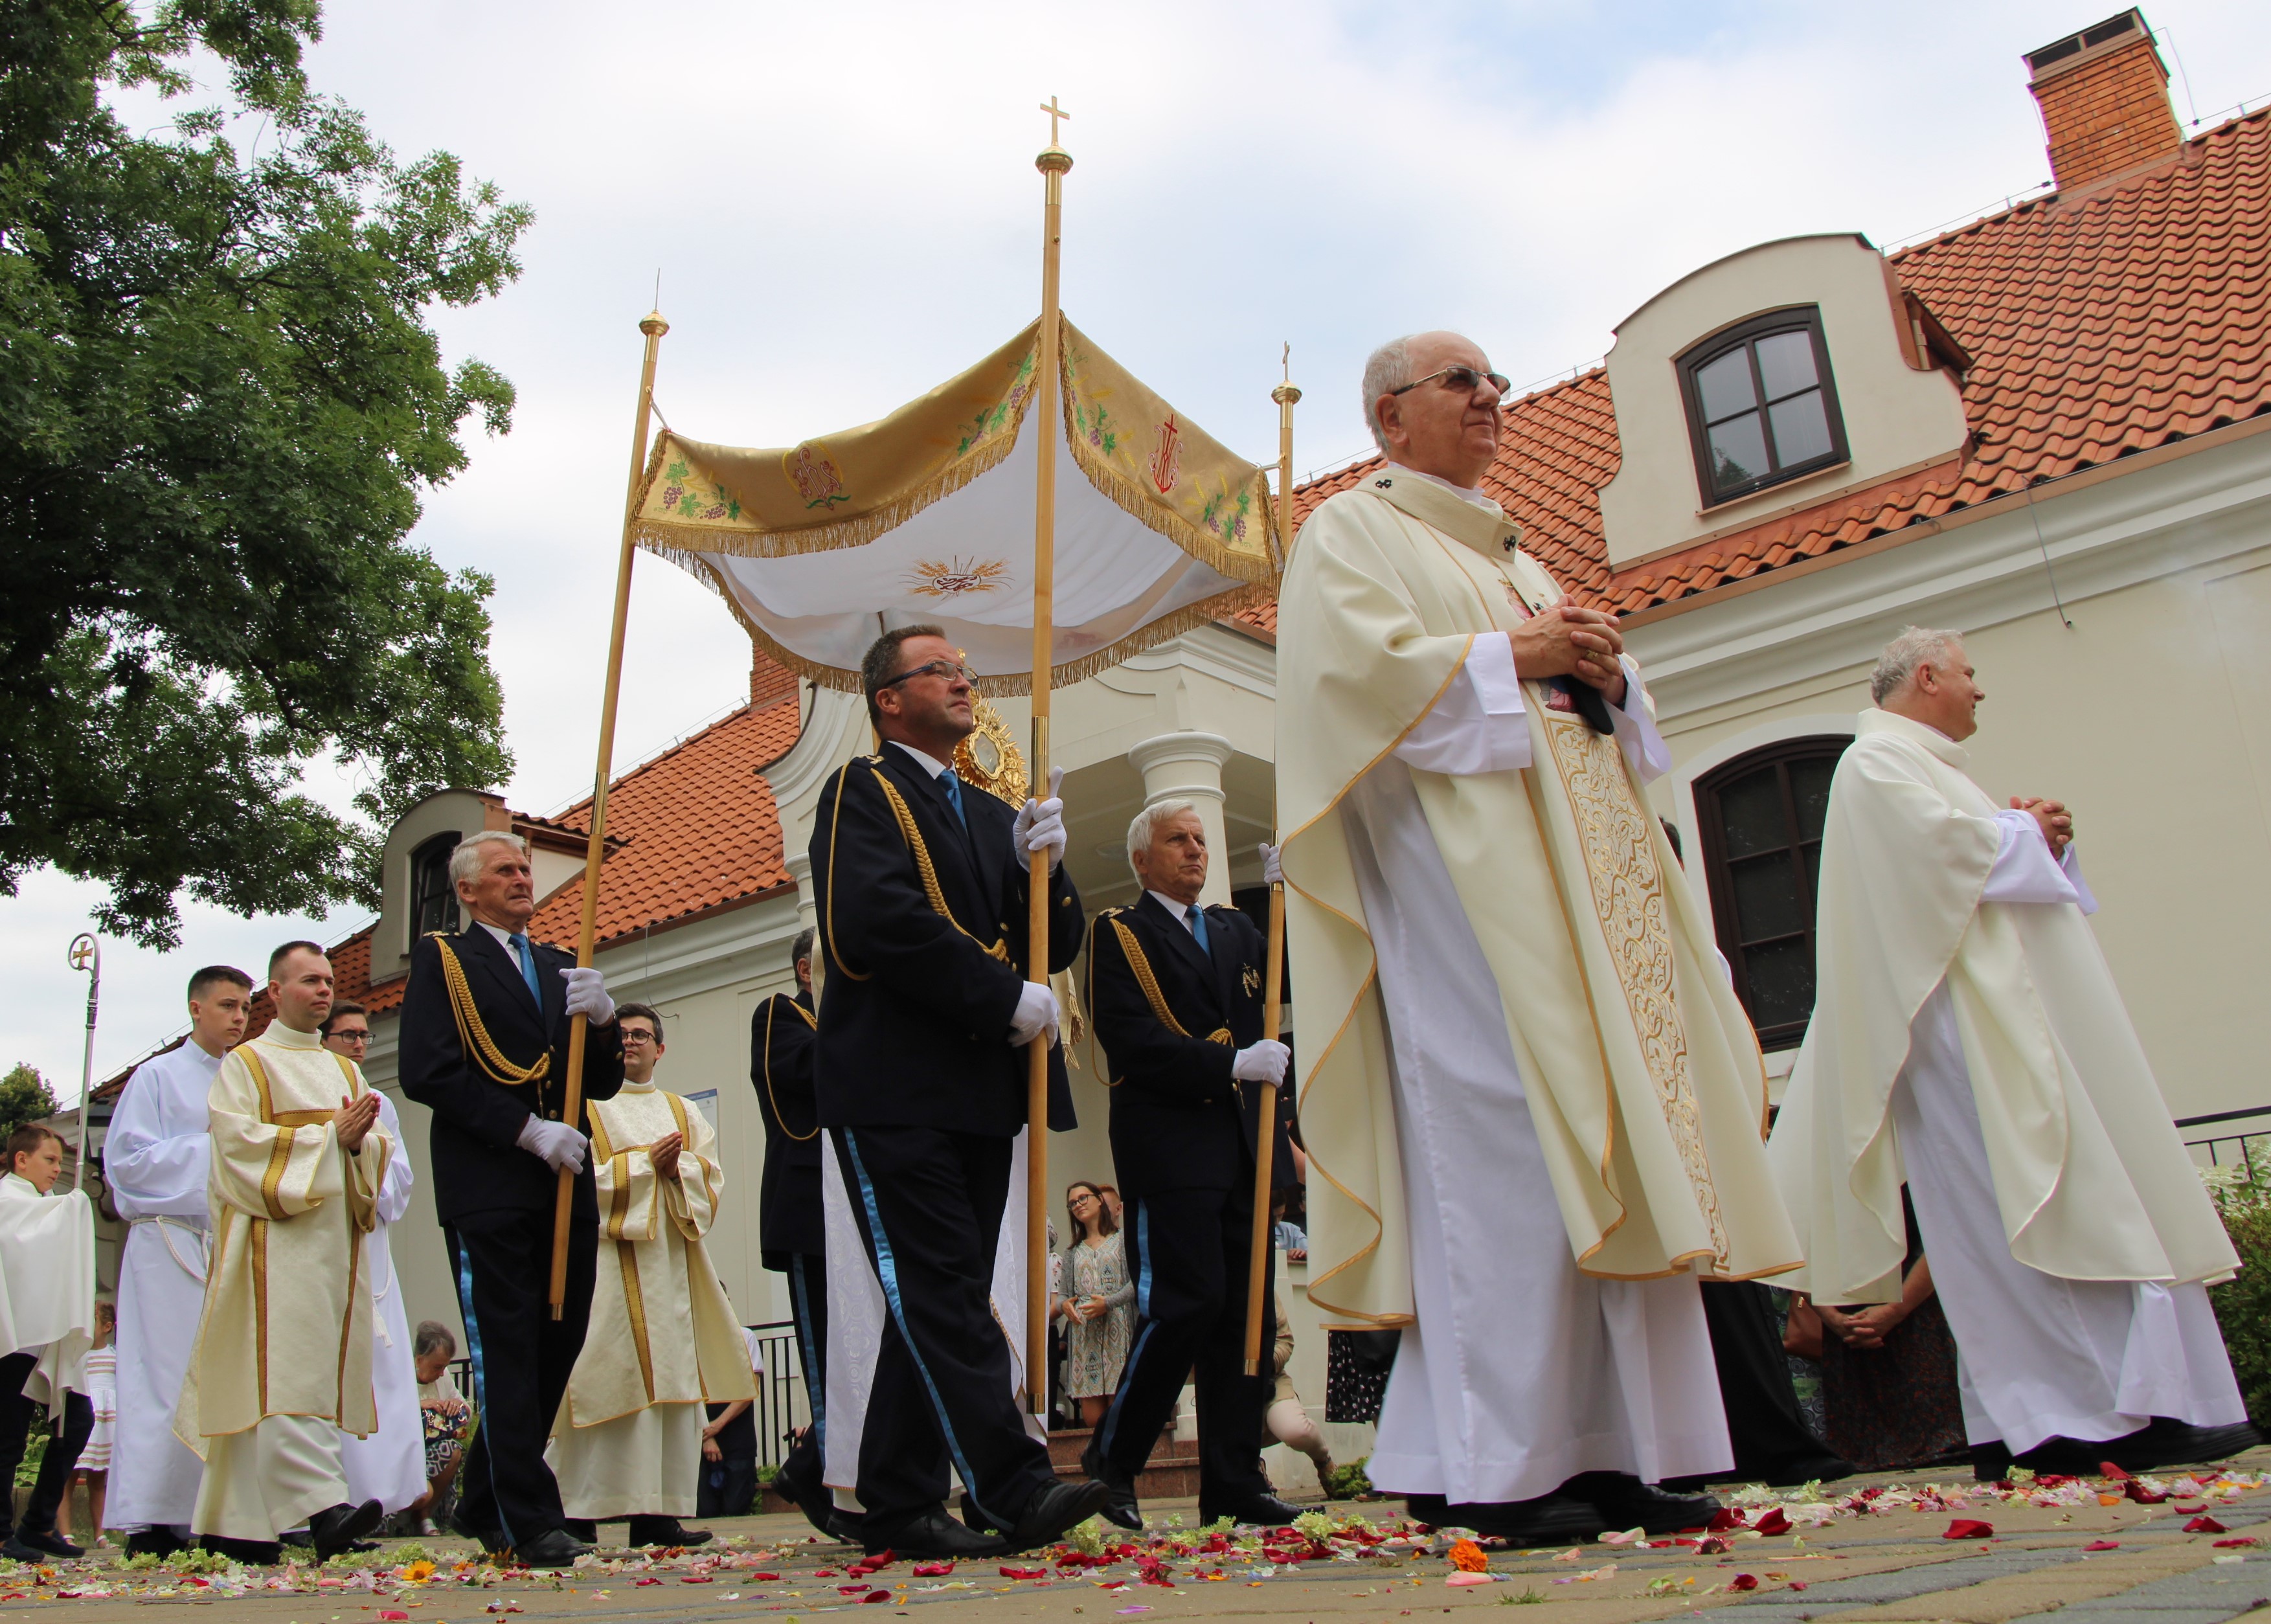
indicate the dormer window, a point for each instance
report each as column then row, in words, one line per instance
column 1761, row 405
column 433, row 899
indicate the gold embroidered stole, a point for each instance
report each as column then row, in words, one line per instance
column 618, row 1214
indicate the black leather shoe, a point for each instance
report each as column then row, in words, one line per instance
column 1550, row 1519
column 807, row 1492
column 664, row 1531
column 2165, row 1443
column 933, row 1536
column 1122, row 1510
column 846, row 1526
column 252, row 1553
column 490, row 1539
column 1054, row 1509
column 1625, row 1501
column 337, row 1529
column 1262, row 1511
column 157, row 1542
column 1991, row 1461
column 553, row 1548
column 48, row 1541
column 1816, row 1469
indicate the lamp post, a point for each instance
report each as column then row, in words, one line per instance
column 86, row 953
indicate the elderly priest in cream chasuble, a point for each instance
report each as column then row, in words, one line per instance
column 1968, row 1040
column 664, row 1338
column 1535, row 1108
column 282, row 1363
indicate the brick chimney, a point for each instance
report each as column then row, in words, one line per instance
column 2104, row 98
column 770, row 682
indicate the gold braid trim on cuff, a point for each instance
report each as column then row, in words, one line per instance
column 921, row 853
column 472, row 1036
column 1150, row 983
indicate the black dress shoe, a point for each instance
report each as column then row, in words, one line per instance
column 491, row 1539
column 48, row 1541
column 1991, row 1461
column 553, row 1548
column 664, row 1531
column 805, row 1489
column 1625, row 1501
column 250, row 1553
column 1262, row 1511
column 2166, row 1442
column 1550, row 1519
column 337, row 1529
column 1054, row 1509
column 1815, row 1468
column 933, row 1535
column 157, row 1542
column 1121, row 1510
column 846, row 1526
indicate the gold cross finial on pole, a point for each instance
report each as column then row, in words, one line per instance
column 1055, row 113
column 1287, row 361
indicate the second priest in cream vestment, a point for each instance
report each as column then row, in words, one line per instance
column 1533, row 1106
column 664, row 1340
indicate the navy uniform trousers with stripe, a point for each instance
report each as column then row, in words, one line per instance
column 929, row 1204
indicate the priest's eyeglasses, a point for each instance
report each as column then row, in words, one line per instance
column 947, row 668
column 1459, row 381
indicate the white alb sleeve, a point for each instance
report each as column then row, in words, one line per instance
column 1643, row 746
column 2025, row 870
column 1477, row 724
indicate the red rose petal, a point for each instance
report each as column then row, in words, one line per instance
column 877, row 1596
column 1798, row 1585
column 2103, row 1545
column 1725, row 1518
column 1968, row 1528
column 1024, row 1572
column 2221, row 1545
column 1773, row 1522
column 1744, row 1581
column 646, row 1581
column 2108, row 1469
column 2205, row 1525
column 933, row 1570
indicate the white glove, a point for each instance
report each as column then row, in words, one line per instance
column 1037, row 1014
column 1271, row 874
column 1041, row 823
column 558, row 1144
column 587, row 996
column 1261, row 1063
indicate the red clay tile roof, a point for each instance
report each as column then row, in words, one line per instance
column 2099, row 326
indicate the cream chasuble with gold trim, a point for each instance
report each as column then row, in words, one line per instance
column 1643, row 1076
column 286, row 1325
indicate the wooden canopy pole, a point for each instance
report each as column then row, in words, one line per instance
column 1053, row 163
column 1258, row 1268
column 571, row 1109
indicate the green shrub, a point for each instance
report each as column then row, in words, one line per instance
column 2243, row 1304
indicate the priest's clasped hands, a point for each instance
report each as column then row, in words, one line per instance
column 2055, row 822
column 354, row 1121
column 1566, row 640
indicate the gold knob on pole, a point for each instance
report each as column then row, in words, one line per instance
column 1286, row 394
column 653, row 325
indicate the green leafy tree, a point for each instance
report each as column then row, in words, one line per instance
column 220, row 403
column 24, row 1097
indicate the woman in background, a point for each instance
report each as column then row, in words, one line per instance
column 1099, row 1307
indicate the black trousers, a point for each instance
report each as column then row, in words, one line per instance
column 62, row 1456
column 1763, row 1420
column 1188, row 1251
column 729, row 1486
column 522, row 1357
column 808, row 1307
column 929, row 1203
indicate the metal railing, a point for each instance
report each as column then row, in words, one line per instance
column 2248, row 1150
column 781, row 1406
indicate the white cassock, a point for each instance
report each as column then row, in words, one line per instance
column 2072, row 1247
column 390, row 1465
column 155, row 1159
column 855, row 1321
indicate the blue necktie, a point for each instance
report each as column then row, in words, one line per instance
column 528, row 968
column 1198, row 930
column 952, row 786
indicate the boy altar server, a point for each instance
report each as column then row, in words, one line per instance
column 155, row 1159
column 282, row 1361
column 1968, row 1038
column 46, row 1321
column 664, row 1338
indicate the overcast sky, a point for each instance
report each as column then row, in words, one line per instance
column 841, row 203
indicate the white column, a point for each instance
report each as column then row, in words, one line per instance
column 1187, row 766
column 799, row 869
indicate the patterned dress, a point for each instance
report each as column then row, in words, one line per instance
column 102, row 1393
column 1096, row 1349
column 1896, row 1407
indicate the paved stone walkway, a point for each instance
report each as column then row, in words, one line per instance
column 1885, row 1565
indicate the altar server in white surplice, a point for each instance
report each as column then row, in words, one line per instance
column 664, row 1340
column 1968, row 1038
column 1534, row 1106
column 390, row 1465
column 156, row 1158
column 283, row 1355
column 47, row 1325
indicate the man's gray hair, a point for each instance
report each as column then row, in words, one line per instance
column 465, row 861
column 1917, row 645
column 801, row 950
column 1388, row 369
column 1139, row 830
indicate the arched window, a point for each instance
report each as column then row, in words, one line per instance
column 433, row 899
column 1761, row 405
column 1761, row 816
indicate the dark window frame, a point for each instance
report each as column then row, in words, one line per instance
column 1745, row 334
column 422, row 863
column 1718, row 875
